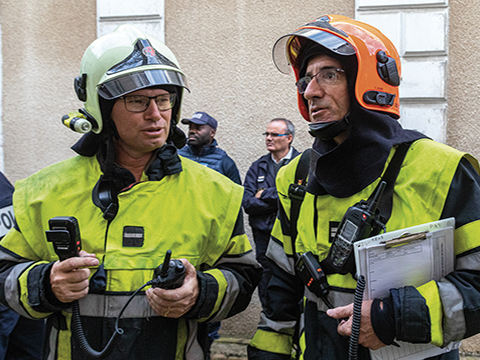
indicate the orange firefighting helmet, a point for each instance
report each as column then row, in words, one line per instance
column 378, row 64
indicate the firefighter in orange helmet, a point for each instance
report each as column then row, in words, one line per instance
column 347, row 76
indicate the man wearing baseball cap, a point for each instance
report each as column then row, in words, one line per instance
column 203, row 148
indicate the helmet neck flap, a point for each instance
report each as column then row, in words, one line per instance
column 330, row 130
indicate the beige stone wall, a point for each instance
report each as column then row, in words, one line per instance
column 463, row 126
column 225, row 49
column 42, row 45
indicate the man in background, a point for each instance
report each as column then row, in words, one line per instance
column 203, row 148
column 260, row 198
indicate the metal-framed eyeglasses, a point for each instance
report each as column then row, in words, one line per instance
column 273, row 135
column 140, row 103
column 326, row 76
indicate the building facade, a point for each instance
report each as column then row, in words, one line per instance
column 224, row 48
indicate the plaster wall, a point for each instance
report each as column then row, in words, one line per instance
column 43, row 43
column 224, row 47
column 227, row 57
column 463, row 127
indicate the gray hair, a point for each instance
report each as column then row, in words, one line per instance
column 289, row 124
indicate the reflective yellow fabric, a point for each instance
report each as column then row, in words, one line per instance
column 192, row 213
column 272, row 342
column 430, row 292
column 419, row 196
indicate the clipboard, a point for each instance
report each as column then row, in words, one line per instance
column 411, row 256
column 383, row 238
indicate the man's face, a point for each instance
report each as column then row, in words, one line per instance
column 143, row 132
column 200, row 136
column 278, row 144
column 326, row 103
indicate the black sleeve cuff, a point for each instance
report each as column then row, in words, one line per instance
column 40, row 294
column 383, row 320
column 207, row 296
column 412, row 316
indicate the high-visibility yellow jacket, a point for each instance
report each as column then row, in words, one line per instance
column 435, row 182
column 194, row 213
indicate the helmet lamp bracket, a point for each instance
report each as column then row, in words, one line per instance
column 80, row 85
column 379, row 98
column 387, row 69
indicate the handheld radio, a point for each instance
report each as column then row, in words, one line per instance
column 313, row 276
column 64, row 233
column 359, row 222
column 169, row 275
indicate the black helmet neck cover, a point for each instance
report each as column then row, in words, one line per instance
column 343, row 170
column 165, row 161
column 329, row 130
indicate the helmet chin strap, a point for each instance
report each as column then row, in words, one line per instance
column 329, row 130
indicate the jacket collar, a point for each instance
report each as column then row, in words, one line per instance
column 345, row 169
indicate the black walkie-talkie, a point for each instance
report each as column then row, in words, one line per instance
column 64, row 233
column 313, row 276
column 169, row 275
column 359, row 222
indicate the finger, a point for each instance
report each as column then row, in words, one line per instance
column 78, row 262
column 345, row 327
column 83, row 253
column 341, row 312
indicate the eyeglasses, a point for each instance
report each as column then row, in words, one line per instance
column 328, row 76
column 273, row 135
column 140, row 103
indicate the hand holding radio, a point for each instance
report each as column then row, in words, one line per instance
column 69, row 276
column 174, row 302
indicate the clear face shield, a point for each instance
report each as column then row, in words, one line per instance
column 287, row 49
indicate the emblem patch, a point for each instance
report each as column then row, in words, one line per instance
column 133, row 236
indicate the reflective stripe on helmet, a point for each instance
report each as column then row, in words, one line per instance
column 139, row 80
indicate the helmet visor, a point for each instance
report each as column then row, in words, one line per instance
column 287, row 48
column 140, row 80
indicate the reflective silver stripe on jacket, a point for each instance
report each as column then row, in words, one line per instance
column 12, row 291
column 285, row 327
column 276, row 253
column 229, row 297
column 52, row 342
column 109, row 306
column 247, row 258
column 337, row 298
column 454, row 326
column 470, row 262
column 193, row 350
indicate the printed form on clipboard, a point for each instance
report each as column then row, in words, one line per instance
column 411, row 256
